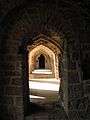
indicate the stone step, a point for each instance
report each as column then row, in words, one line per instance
column 42, row 71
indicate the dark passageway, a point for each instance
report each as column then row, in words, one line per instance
column 48, row 111
column 41, row 62
column 57, row 84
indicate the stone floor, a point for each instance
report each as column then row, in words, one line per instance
column 49, row 111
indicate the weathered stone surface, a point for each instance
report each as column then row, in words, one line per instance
column 20, row 22
column 13, row 90
column 7, row 100
column 16, row 81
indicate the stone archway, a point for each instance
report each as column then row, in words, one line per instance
column 21, row 24
column 45, row 47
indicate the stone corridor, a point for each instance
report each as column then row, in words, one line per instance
column 44, row 34
column 47, row 111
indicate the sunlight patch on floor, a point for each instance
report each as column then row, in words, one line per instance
column 36, row 97
column 43, row 86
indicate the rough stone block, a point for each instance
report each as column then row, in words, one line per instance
column 16, row 81
column 13, row 90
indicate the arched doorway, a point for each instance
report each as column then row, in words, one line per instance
column 44, row 77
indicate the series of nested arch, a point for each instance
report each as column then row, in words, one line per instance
column 49, row 52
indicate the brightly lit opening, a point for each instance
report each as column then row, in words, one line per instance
column 44, row 81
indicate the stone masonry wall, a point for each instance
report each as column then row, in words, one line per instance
column 18, row 25
column 11, row 92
